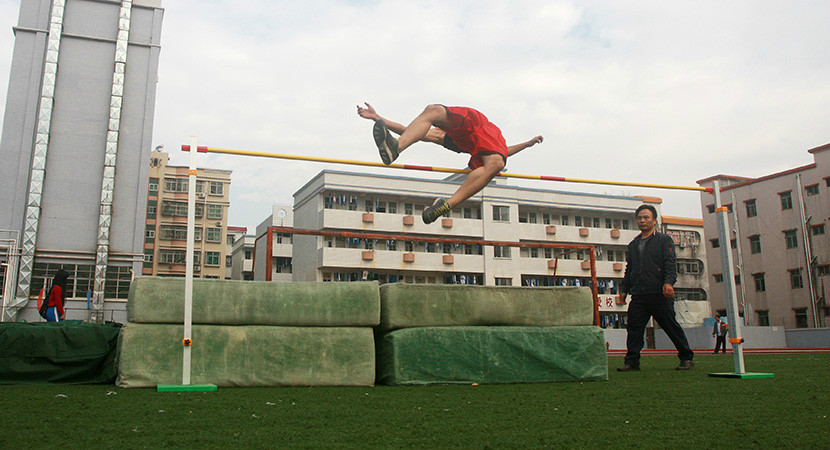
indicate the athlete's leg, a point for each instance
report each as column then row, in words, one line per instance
column 433, row 115
column 493, row 163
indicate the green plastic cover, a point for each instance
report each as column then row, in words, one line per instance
column 432, row 305
column 231, row 302
column 68, row 352
column 151, row 354
column 439, row 355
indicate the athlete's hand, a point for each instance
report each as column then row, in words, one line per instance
column 534, row 141
column 368, row 112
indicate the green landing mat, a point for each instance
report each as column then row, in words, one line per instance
column 68, row 352
column 151, row 355
column 430, row 305
column 466, row 355
column 231, row 302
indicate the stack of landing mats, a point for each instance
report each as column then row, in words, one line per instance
column 248, row 333
column 485, row 334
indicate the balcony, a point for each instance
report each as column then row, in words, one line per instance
column 398, row 260
column 338, row 219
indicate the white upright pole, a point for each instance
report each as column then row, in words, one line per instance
column 729, row 282
column 188, row 277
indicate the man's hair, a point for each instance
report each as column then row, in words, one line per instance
column 648, row 207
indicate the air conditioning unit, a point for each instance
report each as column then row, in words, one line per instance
column 201, row 195
column 219, row 223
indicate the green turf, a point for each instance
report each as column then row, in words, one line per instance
column 655, row 408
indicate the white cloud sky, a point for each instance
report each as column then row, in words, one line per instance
column 630, row 90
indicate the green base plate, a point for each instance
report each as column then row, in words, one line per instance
column 186, row 388
column 742, row 375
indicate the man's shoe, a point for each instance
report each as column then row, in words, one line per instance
column 685, row 365
column 387, row 145
column 627, row 368
column 438, row 209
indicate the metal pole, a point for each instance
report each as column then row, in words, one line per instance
column 729, row 282
column 808, row 250
column 188, row 276
column 741, row 275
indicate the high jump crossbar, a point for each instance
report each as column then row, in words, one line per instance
column 320, row 159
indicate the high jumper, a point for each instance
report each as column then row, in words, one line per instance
column 457, row 128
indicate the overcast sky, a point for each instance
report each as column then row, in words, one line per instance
column 651, row 91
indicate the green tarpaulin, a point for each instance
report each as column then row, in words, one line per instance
column 431, row 305
column 228, row 302
column 151, row 354
column 434, row 355
column 61, row 353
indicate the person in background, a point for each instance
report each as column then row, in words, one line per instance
column 57, row 297
column 719, row 332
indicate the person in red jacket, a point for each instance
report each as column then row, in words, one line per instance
column 457, row 128
column 57, row 297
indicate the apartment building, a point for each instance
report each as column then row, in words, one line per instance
column 165, row 243
column 274, row 250
column 75, row 144
column 692, row 283
column 346, row 201
column 242, row 258
column 780, row 243
column 234, row 233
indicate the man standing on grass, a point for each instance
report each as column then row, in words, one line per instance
column 650, row 274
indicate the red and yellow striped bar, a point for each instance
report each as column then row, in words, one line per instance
column 352, row 162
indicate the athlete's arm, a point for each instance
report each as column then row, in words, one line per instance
column 513, row 149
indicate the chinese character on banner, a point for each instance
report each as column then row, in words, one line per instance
column 608, row 302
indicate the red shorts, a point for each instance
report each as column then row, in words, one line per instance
column 472, row 133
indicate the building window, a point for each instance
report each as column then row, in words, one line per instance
column 501, row 213
column 151, row 209
column 217, row 188
column 694, row 294
column 760, row 283
column 795, row 279
column 500, row 251
column 281, row 264
column 228, row 261
column 179, row 233
column 175, row 184
column 472, row 213
column 823, row 270
column 212, row 258
column 117, row 284
column 249, row 254
column 213, row 234
column 755, row 244
column 715, row 243
column 408, row 209
column 214, row 212
column 564, row 220
column 786, row 200
column 169, row 208
column 751, row 208
column 504, row 281
column 763, row 318
column 733, row 243
column 718, row 277
column 577, row 221
column 150, row 234
column 230, row 239
column 811, row 190
column 710, row 208
column 800, row 317
column 791, row 238
column 172, row 256
column 148, row 255
column 689, row 266
column 153, row 186
column 392, row 207
column 817, row 229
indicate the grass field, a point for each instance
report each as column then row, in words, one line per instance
column 655, row 408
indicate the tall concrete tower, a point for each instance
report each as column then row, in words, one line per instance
column 74, row 154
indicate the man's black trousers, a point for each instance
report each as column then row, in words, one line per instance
column 642, row 308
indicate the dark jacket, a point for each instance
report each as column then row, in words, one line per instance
column 657, row 267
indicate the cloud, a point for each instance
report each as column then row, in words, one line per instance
column 663, row 92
